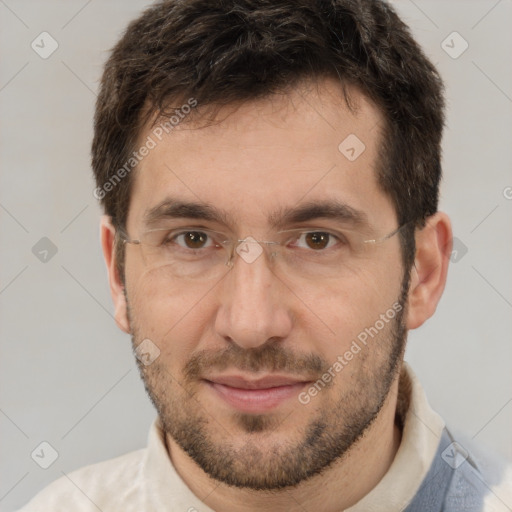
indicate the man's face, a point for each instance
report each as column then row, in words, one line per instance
column 219, row 339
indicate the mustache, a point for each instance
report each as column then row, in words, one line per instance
column 268, row 357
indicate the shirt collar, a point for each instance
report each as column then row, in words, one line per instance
column 422, row 430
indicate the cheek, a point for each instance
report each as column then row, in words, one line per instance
column 340, row 310
column 173, row 317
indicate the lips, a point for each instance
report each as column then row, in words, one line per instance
column 239, row 382
column 255, row 395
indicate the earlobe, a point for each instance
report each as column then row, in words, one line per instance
column 429, row 272
column 107, row 235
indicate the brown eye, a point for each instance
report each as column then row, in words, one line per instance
column 317, row 240
column 193, row 239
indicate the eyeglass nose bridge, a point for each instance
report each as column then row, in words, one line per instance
column 250, row 251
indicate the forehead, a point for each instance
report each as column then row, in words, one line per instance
column 265, row 155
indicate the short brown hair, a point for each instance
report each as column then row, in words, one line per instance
column 224, row 51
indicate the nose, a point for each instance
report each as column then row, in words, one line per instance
column 253, row 304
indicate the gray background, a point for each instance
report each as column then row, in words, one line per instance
column 67, row 372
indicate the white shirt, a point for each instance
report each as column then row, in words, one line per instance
column 146, row 480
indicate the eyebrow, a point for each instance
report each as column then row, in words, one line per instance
column 322, row 209
column 175, row 208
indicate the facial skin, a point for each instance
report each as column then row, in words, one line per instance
column 267, row 156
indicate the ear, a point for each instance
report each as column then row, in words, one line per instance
column 428, row 276
column 107, row 234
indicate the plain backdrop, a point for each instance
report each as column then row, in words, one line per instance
column 68, row 376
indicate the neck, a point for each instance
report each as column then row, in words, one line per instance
column 339, row 487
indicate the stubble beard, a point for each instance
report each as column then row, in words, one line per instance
column 267, row 461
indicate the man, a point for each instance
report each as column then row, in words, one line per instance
column 269, row 172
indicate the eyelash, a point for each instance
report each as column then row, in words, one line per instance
column 172, row 238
